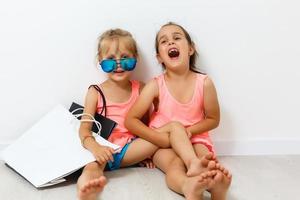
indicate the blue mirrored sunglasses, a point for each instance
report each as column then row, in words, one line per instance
column 109, row 65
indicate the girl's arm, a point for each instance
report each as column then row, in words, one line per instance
column 101, row 153
column 133, row 119
column 211, row 110
column 145, row 119
column 90, row 106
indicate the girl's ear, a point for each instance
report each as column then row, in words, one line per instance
column 192, row 50
column 159, row 58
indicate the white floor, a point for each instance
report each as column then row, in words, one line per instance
column 254, row 177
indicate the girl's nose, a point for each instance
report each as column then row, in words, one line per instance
column 171, row 42
column 118, row 63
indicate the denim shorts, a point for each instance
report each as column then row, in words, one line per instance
column 118, row 157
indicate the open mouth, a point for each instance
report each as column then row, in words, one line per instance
column 173, row 53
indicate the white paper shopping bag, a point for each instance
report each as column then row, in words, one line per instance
column 50, row 150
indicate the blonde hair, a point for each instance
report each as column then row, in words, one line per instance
column 118, row 34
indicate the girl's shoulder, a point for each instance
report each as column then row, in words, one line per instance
column 91, row 98
column 204, row 81
column 92, row 89
column 150, row 88
column 93, row 93
column 138, row 85
column 156, row 80
column 202, row 78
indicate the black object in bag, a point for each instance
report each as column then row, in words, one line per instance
column 107, row 124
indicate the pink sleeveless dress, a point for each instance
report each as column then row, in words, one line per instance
column 169, row 109
column 117, row 112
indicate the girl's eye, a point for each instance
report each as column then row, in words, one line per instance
column 124, row 56
column 163, row 41
column 177, row 38
column 110, row 57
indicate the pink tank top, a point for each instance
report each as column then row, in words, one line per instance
column 169, row 109
column 117, row 112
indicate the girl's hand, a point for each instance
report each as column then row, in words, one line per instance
column 103, row 154
column 147, row 163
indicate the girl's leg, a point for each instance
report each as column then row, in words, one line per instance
column 222, row 179
column 182, row 145
column 177, row 180
column 138, row 151
column 91, row 182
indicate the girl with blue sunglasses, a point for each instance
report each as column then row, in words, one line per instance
column 109, row 65
column 117, row 57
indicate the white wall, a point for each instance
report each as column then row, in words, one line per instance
column 249, row 48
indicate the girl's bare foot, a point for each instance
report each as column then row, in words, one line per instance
column 223, row 170
column 197, row 166
column 194, row 187
column 91, row 188
column 222, row 182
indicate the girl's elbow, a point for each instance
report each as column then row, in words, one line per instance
column 217, row 122
column 127, row 122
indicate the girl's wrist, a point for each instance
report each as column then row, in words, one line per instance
column 85, row 139
column 90, row 144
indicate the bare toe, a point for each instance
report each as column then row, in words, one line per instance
column 91, row 189
column 194, row 187
column 211, row 165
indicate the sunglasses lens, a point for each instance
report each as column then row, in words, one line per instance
column 108, row 65
column 128, row 64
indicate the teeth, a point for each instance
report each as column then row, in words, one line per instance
column 173, row 50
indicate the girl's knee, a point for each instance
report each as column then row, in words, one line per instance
column 175, row 168
column 177, row 128
column 151, row 147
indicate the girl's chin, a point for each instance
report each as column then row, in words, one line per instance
column 175, row 64
column 174, row 61
column 120, row 76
